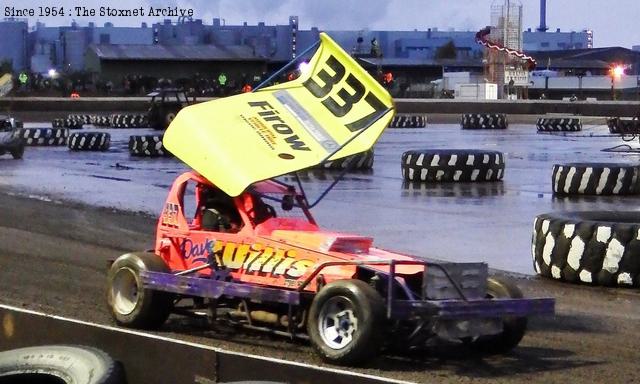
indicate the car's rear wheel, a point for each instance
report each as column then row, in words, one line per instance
column 131, row 304
column 18, row 152
column 346, row 322
column 168, row 118
column 513, row 328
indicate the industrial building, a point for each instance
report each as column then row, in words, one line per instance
column 64, row 48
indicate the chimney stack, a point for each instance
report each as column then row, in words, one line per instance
column 543, row 16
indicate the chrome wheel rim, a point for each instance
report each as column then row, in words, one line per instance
column 337, row 322
column 124, row 290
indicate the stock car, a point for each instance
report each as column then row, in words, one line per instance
column 10, row 139
column 237, row 244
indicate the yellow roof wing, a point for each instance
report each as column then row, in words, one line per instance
column 242, row 139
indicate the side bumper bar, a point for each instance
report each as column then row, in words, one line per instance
column 201, row 287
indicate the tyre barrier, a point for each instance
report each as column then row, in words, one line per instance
column 559, row 124
column 100, row 121
column 596, row 247
column 84, row 119
column 408, row 121
column 66, row 363
column 599, row 179
column 89, row 141
column 44, row 136
column 129, row 121
column 359, row 161
column 484, row 121
column 67, row 123
column 147, row 146
column 623, row 125
column 444, row 165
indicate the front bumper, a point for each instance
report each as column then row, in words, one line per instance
column 470, row 309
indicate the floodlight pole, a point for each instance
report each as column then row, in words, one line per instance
column 287, row 66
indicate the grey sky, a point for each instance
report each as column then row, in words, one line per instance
column 614, row 22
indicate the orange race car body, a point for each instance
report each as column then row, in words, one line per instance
column 275, row 251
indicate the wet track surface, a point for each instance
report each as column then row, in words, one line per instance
column 489, row 221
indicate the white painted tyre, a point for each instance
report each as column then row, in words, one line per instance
column 599, row 179
column 66, row 364
column 446, row 165
column 559, row 124
column 359, row 161
column 147, row 146
column 484, row 121
column 593, row 247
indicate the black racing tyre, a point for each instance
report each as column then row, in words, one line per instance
column 68, row 364
column 17, row 152
column 513, row 328
column 130, row 303
column 44, row 136
column 359, row 161
column 346, row 322
column 559, row 124
column 147, row 146
column 89, row 141
column 408, row 121
column 484, row 121
column 594, row 247
column 595, row 179
column 443, row 165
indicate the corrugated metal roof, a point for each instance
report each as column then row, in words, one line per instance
column 174, row 52
column 413, row 62
column 400, row 62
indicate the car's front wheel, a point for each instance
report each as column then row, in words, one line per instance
column 346, row 322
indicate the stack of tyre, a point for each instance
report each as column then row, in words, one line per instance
column 44, row 136
column 147, row 146
column 129, row 121
column 84, row 119
column 591, row 247
column 484, row 121
column 67, row 122
column 452, row 165
column 100, row 120
column 408, row 121
column 559, row 124
column 359, row 161
column 89, row 141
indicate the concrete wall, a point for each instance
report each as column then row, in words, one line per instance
column 422, row 106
